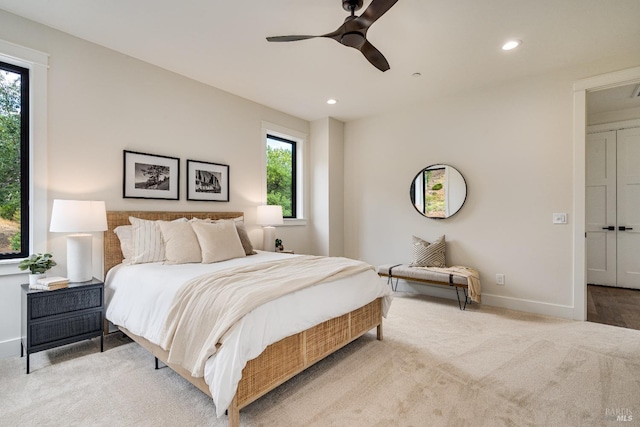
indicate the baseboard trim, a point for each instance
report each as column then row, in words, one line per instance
column 536, row 307
column 9, row 348
column 528, row 306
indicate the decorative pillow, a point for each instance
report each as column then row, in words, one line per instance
column 147, row 240
column 244, row 238
column 126, row 241
column 427, row 254
column 219, row 241
column 180, row 242
column 242, row 232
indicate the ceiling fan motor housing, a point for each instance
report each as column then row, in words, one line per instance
column 353, row 39
column 350, row 5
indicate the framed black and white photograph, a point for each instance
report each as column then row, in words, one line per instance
column 150, row 176
column 207, row 181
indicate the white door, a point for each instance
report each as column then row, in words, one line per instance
column 628, row 227
column 601, row 208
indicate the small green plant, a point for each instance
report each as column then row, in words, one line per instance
column 37, row 263
column 279, row 244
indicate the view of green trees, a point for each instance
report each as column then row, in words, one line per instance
column 9, row 162
column 279, row 177
column 434, row 202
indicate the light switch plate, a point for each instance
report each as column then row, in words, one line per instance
column 559, row 218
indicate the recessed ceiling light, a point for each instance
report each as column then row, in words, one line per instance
column 511, row 44
column 332, row 101
column 416, row 75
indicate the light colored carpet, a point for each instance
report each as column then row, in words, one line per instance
column 437, row 366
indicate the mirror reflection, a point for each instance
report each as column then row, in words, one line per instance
column 438, row 191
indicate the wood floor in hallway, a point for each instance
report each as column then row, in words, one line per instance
column 613, row 306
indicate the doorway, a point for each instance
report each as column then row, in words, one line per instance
column 613, row 203
column 612, row 207
column 580, row 90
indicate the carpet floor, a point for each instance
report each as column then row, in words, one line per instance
column 437, row 366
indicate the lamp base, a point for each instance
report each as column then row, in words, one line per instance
column 269, row 239
column 79, row 257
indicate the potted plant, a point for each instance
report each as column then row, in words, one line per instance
column 37, row 264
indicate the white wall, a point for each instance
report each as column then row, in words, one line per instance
column 100, row 103
column 513, row 144
column 327, row 183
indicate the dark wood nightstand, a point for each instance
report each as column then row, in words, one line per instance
column 63, row 316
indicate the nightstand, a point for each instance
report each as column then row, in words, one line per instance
column 63, row 316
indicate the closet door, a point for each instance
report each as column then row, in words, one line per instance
column 628, row 230
column 601, row 208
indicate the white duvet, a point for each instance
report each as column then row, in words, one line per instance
column 138, row 297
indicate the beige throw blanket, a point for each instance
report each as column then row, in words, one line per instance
column 472, row 275
column 206, row 307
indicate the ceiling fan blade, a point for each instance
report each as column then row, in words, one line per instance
column 289, row 38
column 376, row 9
column 374, row 56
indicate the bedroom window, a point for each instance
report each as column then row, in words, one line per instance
column 14, row 161
column 282, row 177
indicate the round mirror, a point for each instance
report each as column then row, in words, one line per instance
column 438, row 191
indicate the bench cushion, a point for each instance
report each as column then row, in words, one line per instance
column 403, row 271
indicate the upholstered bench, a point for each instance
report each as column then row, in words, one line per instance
column 425, row 275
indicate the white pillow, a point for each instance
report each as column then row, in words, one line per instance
column 147, row 241
column 180, row 242
column 242, row 232
column 219, row 241
column 126, row 241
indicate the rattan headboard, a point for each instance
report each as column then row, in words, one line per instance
column 113, row 254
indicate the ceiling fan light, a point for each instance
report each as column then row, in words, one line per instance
column 511, row 44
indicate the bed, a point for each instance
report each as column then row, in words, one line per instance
column 268, row 364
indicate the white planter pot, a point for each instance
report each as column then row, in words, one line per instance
column 33, row 278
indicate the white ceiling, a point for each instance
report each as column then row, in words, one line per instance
column 454, row 44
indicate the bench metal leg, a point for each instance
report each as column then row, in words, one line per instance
column 390, row 282
column 466, row 298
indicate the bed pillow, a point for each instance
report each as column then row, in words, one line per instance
column 244, row 238
column 219, row 241
column 180, row 242
column 427, row 254
column 148, row 245
column 126, row 241
column 242, row 232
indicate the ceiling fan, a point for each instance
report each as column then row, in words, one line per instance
column 353, row 33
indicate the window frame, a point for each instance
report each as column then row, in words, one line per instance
column 294, row 171
column 25, row 156
column 38, row 64
column 300, row 164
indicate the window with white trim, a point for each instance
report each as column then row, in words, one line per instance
column 14, row 161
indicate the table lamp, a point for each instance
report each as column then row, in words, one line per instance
column 268, row 216
column 81, row 218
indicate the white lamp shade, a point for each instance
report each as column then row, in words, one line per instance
column 78, row 216
column 269, row 215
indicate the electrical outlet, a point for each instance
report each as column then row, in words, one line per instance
column 500, row 279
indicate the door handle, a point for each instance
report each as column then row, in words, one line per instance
column 623, row 228
column 610, row 228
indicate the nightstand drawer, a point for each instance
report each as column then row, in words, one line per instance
column 64, row 301
column 42, row 333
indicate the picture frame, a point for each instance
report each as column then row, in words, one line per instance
column 207, row 181
column 150, row 176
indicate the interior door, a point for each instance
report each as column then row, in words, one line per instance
column 601, row 208
column 628, row 204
